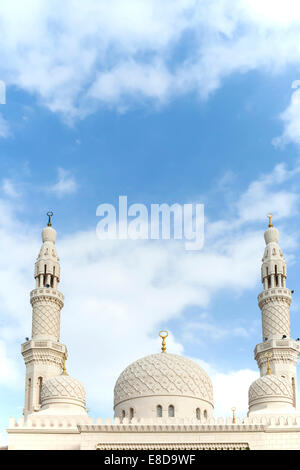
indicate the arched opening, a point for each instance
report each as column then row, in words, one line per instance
column 205, row 414
column 40, row 384
column 198, row 413
column 294, row 391
column 123, row 414
column 28, row 394
column 159, row 411
column 171, row 411
column 131, row 413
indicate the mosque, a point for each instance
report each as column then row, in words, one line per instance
column 162, row 401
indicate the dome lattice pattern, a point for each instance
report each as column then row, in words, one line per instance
column 63, row 386
column 163, row 374
column 270, row 385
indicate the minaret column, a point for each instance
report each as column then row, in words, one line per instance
column 43, row 353
column 274, row 302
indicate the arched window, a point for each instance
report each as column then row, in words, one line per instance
column 123, row 414
column 28, row 393
column 198, row 413
column 294, row 392
column 131, row 413
column 40, row 384
column 171, row 411
column 159, row 411
column 205, row 414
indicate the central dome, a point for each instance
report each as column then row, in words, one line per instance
column 163, row 375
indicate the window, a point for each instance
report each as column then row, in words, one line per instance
column 205, row 414
column 159, row 411
column 294, row 392
column 198, row 413
column 123, row 414
column 131, row 413
column 40, row 383
column 28, row 394
column 171, row 411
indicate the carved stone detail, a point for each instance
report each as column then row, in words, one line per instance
column 46, row 317
column 275, row 317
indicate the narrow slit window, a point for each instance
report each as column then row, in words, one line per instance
column 159, row 411
column 171, row 411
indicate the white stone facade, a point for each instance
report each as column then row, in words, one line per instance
column 162, row 401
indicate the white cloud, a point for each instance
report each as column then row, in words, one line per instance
column 9, row 188
column 66, row 184
column 9, row 373
column 82, row 54
column 291, row 119
column 232, row 390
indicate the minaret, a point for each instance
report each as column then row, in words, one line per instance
column 44, row 355
column 277, row 349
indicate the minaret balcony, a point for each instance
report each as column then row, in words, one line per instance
column 48, row 291
column 274, row 292
column 276, row 343
column 43, row 344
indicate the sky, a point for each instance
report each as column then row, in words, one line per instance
column 181, row 101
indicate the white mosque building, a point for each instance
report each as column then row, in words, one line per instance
column 161, row 401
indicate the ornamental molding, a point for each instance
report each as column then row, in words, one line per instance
column 279, row 356
column 44, row 357
column 49, row 299
column 173, row 446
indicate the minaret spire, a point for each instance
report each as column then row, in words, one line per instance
column 43, row 353
column 277, row 347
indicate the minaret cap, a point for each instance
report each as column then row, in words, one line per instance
column 48, row 233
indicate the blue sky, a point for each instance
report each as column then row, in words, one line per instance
column 189, row 101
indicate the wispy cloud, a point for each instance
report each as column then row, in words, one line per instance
column 129, row 53
column 66, row 184
column 291, row 119
column 9, row 188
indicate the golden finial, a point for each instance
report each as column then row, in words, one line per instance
column 163, row 334
column 49, row 214
column 233, row 409
column 64, row 372
column 268, row 355
column 270, row 219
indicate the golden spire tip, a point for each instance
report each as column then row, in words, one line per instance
column 163, row 334
column 269, row 216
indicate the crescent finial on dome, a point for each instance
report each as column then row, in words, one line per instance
column 49, row 214
column 163, row 334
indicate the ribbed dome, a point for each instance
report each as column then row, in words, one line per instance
column 270, row 388
column 63, row 389
column 163, row 374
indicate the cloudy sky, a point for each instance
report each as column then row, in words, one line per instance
column 178, row 101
